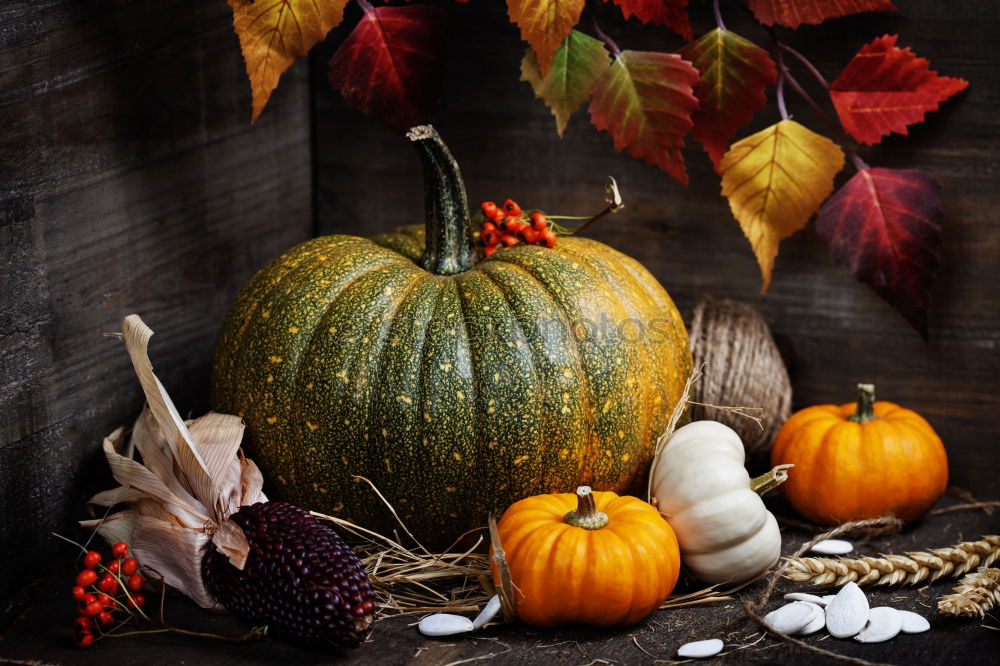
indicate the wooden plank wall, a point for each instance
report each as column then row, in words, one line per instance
column 131, row 180
column 838, row 332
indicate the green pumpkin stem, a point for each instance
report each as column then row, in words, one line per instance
column 450, row 246
column 865, row 410
column 765, row 483
column 586, row 515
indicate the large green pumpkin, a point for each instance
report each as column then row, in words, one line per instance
column 456, row 384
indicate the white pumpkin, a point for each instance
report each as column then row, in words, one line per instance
column 725, row 532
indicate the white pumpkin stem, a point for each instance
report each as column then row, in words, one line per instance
column 586, row 514
column 765, row 483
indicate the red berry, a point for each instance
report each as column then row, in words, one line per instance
column 86, row 577
column 106, row 602
column 137, row 601
column 82, row 624
column 490, row 238
column 129, row 566
column 135, row 583
column 511, row 208
column 489, row 226
column 528, row 235
column 84, row 639
column 488, row 208
column 496, row 215
column 512, row 225
column 539, row 222
column 490, row 249
column 93, row 608
column 81, row 604
column 548, row 238
column 107, row 584
column 508, row 240
column 91, row 560
column 105, row 619
column 79, row 592
column 119, row 550
column 114, row 567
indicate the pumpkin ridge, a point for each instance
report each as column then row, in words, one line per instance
column 632, row 310
column 587, row 407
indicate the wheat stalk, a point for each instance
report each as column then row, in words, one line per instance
column 907, row 569
column 975, row 595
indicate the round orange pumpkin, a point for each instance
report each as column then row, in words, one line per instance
column 591, row 558
column 861, row 460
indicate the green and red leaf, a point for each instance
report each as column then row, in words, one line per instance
column 735, row 75
column 793, row 13
column 885, row 89
column 885, row 224
column 276, row 33
column 389, row 67
column 545, row 24
column 644, row 100
column 576, row 67
column 671, row 13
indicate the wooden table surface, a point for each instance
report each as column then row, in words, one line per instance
column 42, row 634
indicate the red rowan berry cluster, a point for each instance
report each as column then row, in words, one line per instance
column 107, row 595
column 510, row 225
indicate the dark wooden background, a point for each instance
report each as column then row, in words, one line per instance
column 132, row 181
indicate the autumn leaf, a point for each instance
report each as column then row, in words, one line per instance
column 670, row 13
column 545, row 24
column 389, row 67
column 576, row 66
column 276, row 33
column 884, row 89
column 775, row 180
column 885, row 224
column 792, row 13
column 735, row 74
column 644, row 101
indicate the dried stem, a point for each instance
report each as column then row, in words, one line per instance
column 975, row 595
column 909, row 569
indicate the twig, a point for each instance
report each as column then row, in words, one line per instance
column 987, row 508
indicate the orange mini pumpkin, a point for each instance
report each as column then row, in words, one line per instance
column 591, row 558
column 861, row 460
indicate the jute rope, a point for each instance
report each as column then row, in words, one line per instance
column 742, row 367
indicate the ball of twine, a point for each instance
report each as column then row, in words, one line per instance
column 742, row 368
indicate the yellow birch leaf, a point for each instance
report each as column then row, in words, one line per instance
column 544, row 24
column 775, row 180
column 275, row 33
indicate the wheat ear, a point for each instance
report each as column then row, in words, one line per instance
column 908, row 569
column 976, row 594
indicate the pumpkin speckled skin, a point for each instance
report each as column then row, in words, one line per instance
column 894, row 463
column 609, row 577
column 455, row 394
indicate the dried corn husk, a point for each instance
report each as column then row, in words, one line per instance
column 192, row 476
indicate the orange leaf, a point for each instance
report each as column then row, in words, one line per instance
column 775, row 180
column 275, row 33
column 645, row 101
column 792, row 13
column 544, row 24
column 884, row 89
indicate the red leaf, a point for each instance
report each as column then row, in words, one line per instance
column 885, row 224
column 389, row 67
column 793, row 13
column 645, row 101
column 884, row 89
column 734, row 75
column 670, row 13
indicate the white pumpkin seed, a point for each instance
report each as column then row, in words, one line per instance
column 883, row 624
column 444, row 624
column 847, row 614
column 699, row 649
column 914, row 623
column 816, row 622
column 488, row 613
column 811, row 598
column 832, row 547
column 790, row 618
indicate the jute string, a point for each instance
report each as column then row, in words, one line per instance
column 742, row 367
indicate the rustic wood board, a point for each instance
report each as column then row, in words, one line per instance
column 131, row 180
column 836, row 330
column 43, row 634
